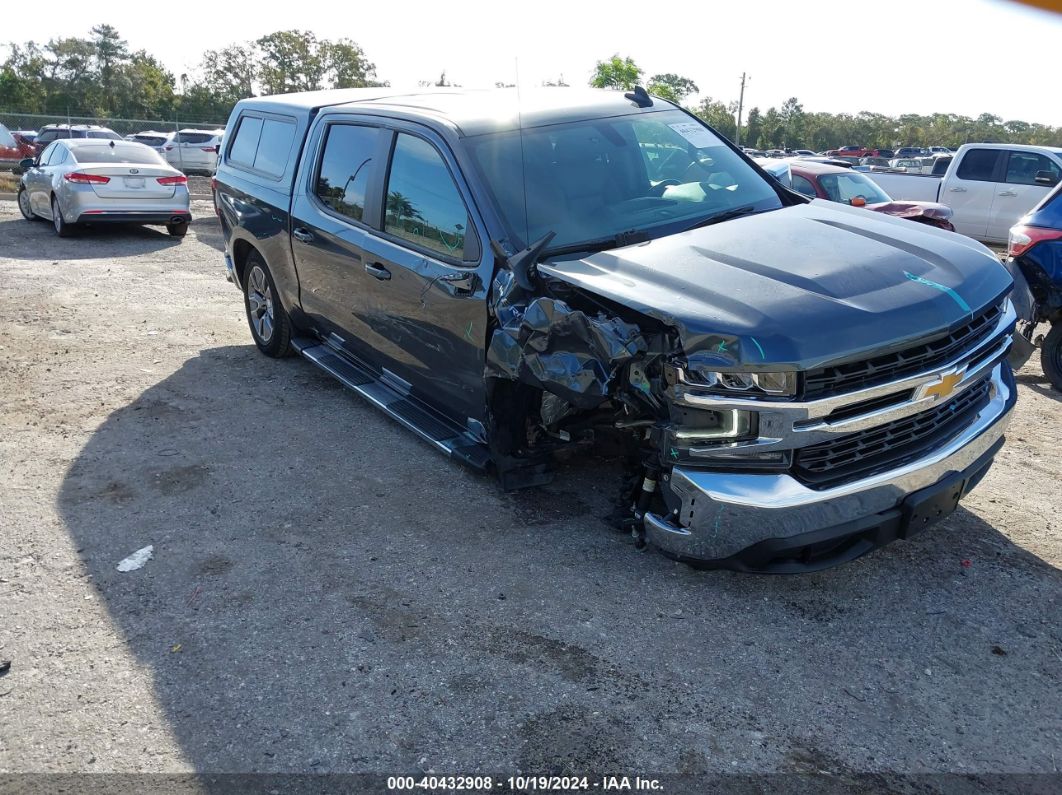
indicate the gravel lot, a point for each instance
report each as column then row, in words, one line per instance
column 329, row 594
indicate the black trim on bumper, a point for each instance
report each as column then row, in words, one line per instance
column 831, row 546
column 133, row 218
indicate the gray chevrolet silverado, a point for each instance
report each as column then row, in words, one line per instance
column 791, row 383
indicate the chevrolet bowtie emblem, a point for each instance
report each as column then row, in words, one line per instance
column 944, row 387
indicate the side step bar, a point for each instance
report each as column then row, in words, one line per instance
column 441, row 432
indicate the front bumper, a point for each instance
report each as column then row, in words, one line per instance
column 724, row 516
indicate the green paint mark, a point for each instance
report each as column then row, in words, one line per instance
column 721, row 348
column 674, row 453
column 759, row 347
column 943, row 288
column 468, row 331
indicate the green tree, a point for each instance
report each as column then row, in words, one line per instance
column 792, row 121
column 616, row 72
column 717, row 115
column 753, row 129
column 672, row 87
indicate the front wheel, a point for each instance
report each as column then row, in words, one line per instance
column 24, row 206
column 270, row 326
column 1051, row 356
column 62, row 228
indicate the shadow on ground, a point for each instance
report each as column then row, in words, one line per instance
column 342, row 598
column 21, row 239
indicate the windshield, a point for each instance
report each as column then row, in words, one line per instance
column 590, row 180
column 845, row 187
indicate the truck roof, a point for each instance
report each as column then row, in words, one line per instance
column 1019, row 147
column 469, row 111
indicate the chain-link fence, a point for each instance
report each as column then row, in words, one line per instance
column 34, row 121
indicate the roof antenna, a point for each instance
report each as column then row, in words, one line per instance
column 640, row 97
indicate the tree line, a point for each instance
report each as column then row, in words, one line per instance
column 100, row 76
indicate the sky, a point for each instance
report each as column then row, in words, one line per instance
column 951, row 56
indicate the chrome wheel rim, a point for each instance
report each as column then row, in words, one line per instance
column 260, row 304
column 24, row 204
column 57, row 215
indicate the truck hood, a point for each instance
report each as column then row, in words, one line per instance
column 797, row 287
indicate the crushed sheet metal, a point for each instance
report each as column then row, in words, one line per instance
column 562, row 350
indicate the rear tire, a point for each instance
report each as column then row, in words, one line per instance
column 24, row 206
column 1051, row 356
column 177, row 230
column 62, row 228
column 270, row 325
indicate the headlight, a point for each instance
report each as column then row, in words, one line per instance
column 749, row 383
column 729, row 424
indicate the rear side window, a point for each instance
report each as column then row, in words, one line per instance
column 803, row 185
column 1022, row 168
column 423, row 204
column 347, row 168
column 274, row 144
column 245, row 144
column 105, row 134
column 979, row 165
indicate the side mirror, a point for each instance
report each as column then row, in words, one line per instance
column 1046, row 178
column 28, row 162
column 858, row 201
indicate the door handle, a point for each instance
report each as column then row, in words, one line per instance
column 1007, row 193
column 377, row 270
column 302, row 235
column 957, row 190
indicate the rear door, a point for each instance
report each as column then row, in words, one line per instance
column 425, row 301
column 336, row 206
column 38, row 180
column 972, row 190
column 1019, row 191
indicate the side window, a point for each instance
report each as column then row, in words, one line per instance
column 245, row 143
column 1022, row 168
column 803, row 185
column 423, row 204
column 346, row 168
column 979, row 164
column 274, row 144
column 59, row 156
column 46, row 155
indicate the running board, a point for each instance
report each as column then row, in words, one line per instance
column 442, row 433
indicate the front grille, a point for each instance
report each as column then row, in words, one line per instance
column 842, row 378
column 862, row 454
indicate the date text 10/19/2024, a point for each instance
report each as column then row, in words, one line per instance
column 524, row 783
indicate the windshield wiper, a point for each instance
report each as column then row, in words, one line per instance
column 628, row 238
column 726, row 215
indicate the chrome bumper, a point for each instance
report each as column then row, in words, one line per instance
column 723, row 513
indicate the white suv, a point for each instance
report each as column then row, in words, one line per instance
column 194, row 150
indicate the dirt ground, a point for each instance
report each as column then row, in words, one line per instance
column 329, row 594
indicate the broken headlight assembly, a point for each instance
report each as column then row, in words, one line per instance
column 746, row 384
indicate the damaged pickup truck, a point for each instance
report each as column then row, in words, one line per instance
column 793, row 382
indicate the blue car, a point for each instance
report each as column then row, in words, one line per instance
column 1035, row 257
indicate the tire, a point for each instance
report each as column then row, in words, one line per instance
column 62, row 228
column 269, row 322
column 1051, row 356
column 177, row 230
column 24, row 206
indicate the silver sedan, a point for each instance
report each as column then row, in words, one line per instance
column 89, row 181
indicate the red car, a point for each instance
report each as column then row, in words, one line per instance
column 13, row 149
column 849, row 151
column 837, row 184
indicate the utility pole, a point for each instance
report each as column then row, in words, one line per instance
column 741, row 103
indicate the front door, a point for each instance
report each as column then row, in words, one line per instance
column 425, row 301
column 1019, row 192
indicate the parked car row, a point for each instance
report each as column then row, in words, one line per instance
column 191, row 150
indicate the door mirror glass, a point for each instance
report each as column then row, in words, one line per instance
column 26, row 163
column 1047, row 178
